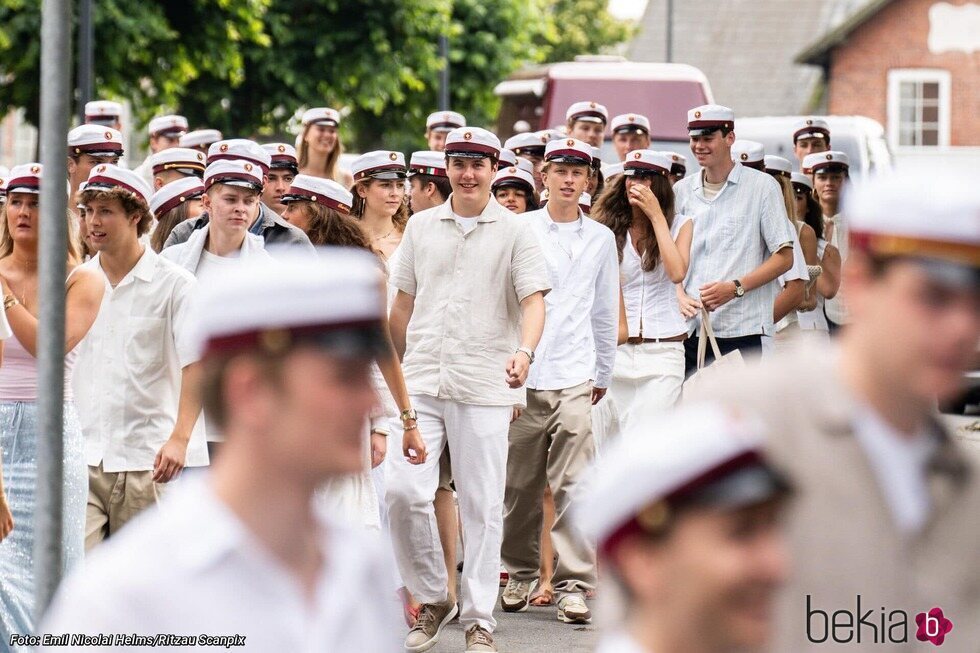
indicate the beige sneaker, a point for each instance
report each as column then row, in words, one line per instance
column 517, row 595
column 573, row 610
column 432, row 618
column 479, row 640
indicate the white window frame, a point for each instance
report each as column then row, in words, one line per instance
column 895, row 79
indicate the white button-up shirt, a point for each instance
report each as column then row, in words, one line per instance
column 734, row 233
column 468, row 288
column 652, row 309
column 128, row 373
column 191, row 567
column 581, row 324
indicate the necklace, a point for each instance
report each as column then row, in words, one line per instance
column 385, row 237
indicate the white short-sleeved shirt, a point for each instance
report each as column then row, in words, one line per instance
column 582, row 310
column 190, row 566
column 815, row 320
column 735, row 233
column 468, row 288
column 5, row 331
column 128, row 373
column 652, row 309
column 799, row 271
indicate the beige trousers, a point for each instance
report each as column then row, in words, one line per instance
column 551, row 443
column 114, row 498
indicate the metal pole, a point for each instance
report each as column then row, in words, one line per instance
column 55, row 109
column 670, row 31
column 444, row 73
column 86, row 56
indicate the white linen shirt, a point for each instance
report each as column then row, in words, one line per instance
column 468, row 288
column 652, row 309
column 582, row 310
column 128, row 372
column 191, row 567
column 735, row 233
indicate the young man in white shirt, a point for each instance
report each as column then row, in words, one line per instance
column 468, row 315
column 551, row 442
column 630, row 131
column 428, row 182
column 742, row 241
column 242, row 556
column 133, row 376
column 224, row 246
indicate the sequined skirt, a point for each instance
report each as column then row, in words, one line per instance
column 18, row 449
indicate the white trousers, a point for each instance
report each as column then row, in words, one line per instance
column 647, row 378
column 477, row 440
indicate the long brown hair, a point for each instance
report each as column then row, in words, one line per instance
column 613, row 209
column 72, row 246
column 330, row 227
column 358, row 206
column 166, row 224
column 333, row 159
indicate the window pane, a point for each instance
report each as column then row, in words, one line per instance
column 930, row 137
column 906, row 114
column 930, row 90
column 907, row 92
column 906, row 135
column 930, row 113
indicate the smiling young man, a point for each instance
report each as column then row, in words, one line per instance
column 283, row 168
column 428, row 182
column 687, row 514
column 587, row 122
column 829, row 172
column 888, row 510
column 272, row 227
column 467, row 317
column 240, row 556
column 133, row 376
column 742, row 238
column 551, row 443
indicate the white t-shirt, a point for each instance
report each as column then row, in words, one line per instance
column 466, row 224
column 5, row 331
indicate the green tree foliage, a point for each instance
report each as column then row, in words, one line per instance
column 248, row 66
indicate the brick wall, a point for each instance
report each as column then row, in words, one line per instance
column 897, row 38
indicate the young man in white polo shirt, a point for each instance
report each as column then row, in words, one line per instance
column 242, row 559
column 742, row 237
column 551, row 442
column 132, row 381
column 468, row 315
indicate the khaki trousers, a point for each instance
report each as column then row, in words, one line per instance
column 114, row 498
column 550, row 443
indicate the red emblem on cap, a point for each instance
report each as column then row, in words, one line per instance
column 108, row 136
column 282, row 148
column 570, row 141
column 467, row 136
column 592, row 105
column 37, row 169
column 830, row 157
column 745, row 157
column 697, row 114
column 248, row 167
column 637, row 155
column 223, row 147
column 393, row 156
column 446, row 117
column 544, row 139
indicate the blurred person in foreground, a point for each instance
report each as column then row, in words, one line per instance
column 887, row 525
column 242, row 554
column 688, row 524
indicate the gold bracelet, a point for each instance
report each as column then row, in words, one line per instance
column 9, row 302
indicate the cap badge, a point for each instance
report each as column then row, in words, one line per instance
column 745, row 157
column 223, row 147
column 282, row 148
column 274, row 340
column 653, row 518
column 830, row 157
column 512, row 170
column 445, row 117
column 592, row 105
column 809, row 122
column 467, row 136
column 108, row 136
column 393, row 156
column 248, row 167
column 697, row 114
column 182, row 198
column 37, row 169
column 570, row 142
column 100, row 170
column 637, row 155
column 313, row 197
column 200, row 156
column 631, row 118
